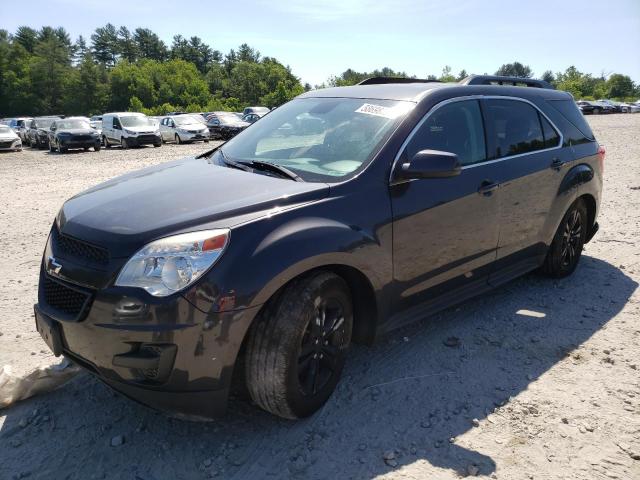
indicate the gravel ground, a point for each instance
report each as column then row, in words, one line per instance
column 550, row 395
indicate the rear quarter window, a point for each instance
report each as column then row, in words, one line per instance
column 570, row 111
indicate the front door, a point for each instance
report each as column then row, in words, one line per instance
column 445, row 230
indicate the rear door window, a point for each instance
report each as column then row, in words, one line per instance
column 551, row 136
column 457, row 128
column 514, row 128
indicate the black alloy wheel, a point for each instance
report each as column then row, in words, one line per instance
column 323, row 340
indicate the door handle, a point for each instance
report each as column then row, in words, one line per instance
column 487, row 187
column 556, row 163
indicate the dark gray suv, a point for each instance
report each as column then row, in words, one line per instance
column 339, row 216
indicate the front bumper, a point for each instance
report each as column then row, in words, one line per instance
column 10, row 146
column 140, row 140
column 71, row 142
column 194, row 137
column 164, row 353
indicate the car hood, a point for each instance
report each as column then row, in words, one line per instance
column 77, row 131
column 145, row 129
column 192, row 126
column 8, row 136
column 127, row 212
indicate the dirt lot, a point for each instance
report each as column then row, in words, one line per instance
column 523, row 396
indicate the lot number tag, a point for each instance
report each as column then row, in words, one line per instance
column 380, row 111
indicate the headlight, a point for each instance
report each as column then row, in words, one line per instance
column 168, row 265
column 182, row 130
column 130, row 132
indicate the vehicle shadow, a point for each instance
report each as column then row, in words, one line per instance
column 410, row 397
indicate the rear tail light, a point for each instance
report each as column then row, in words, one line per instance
column 601, row 154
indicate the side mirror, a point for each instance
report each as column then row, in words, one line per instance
column 431, row 164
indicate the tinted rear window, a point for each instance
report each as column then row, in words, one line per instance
column 570, row 111
column 515, row 128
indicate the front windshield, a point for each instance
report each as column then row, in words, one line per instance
column 228, row 117
column 320, row 139
column 69, row 124
column 44, row 122
column 136, row 121
column 187, row 120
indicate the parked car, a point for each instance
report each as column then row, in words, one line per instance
column 20, row 126
column 184, row 129
column 251, row 118
column 271, row 254
column 613, row 107
column 590, row 107
column 629, row 107
column 9, row 139
column 129, row 129
column 73, row 133
column 262, row 111
column 38, row 133
column 225, row 125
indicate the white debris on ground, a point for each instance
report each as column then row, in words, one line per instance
column 536, row 380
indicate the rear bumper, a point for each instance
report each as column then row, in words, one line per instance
column 168, row 355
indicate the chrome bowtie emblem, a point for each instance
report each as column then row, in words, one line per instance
column 53, row 266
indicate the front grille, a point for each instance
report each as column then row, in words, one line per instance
column 65, row 245
column 81, row 138
column 69, row 301
column 6, row 144
column 147, row 139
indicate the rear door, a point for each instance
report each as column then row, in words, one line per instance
column 445, row 230
column 528, row 148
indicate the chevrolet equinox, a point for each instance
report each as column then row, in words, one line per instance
column 340, row 216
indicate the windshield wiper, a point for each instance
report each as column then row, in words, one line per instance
column 233, row 164
column 273, row 167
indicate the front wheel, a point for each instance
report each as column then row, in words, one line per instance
column 97, row 147
column 566, row 248
column 178, row 141
column 124, row 143
column 297, row 346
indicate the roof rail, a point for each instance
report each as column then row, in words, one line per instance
column 500, row 80
column 382, row 80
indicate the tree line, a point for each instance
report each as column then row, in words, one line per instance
column 45, row 72
column 581, row 85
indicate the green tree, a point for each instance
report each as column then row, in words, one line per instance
column 619, row 86
column 515, row 69
column 149, row 45
column 104, row 44
column 27, row 37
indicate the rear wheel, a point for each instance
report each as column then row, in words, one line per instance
column 596, row 111
column 297, row 346
column 565, row 250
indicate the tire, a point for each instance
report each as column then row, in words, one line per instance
column 596, row 111
column 566, row 248
column 86, row 149
column 51, row 148
column 36, row 144
column 97, row 147
column 63, row 149
column 156, row 145
column 292, row 362
column 124, row 143
column 106, row 142
column 178, row 141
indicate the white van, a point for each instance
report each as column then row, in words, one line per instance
column 129, row 129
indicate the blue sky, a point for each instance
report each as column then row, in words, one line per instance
column 321, row 38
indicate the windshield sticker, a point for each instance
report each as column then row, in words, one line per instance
column 380, row 111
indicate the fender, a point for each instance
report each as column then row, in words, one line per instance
column 575, row 177
column 265, row 254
